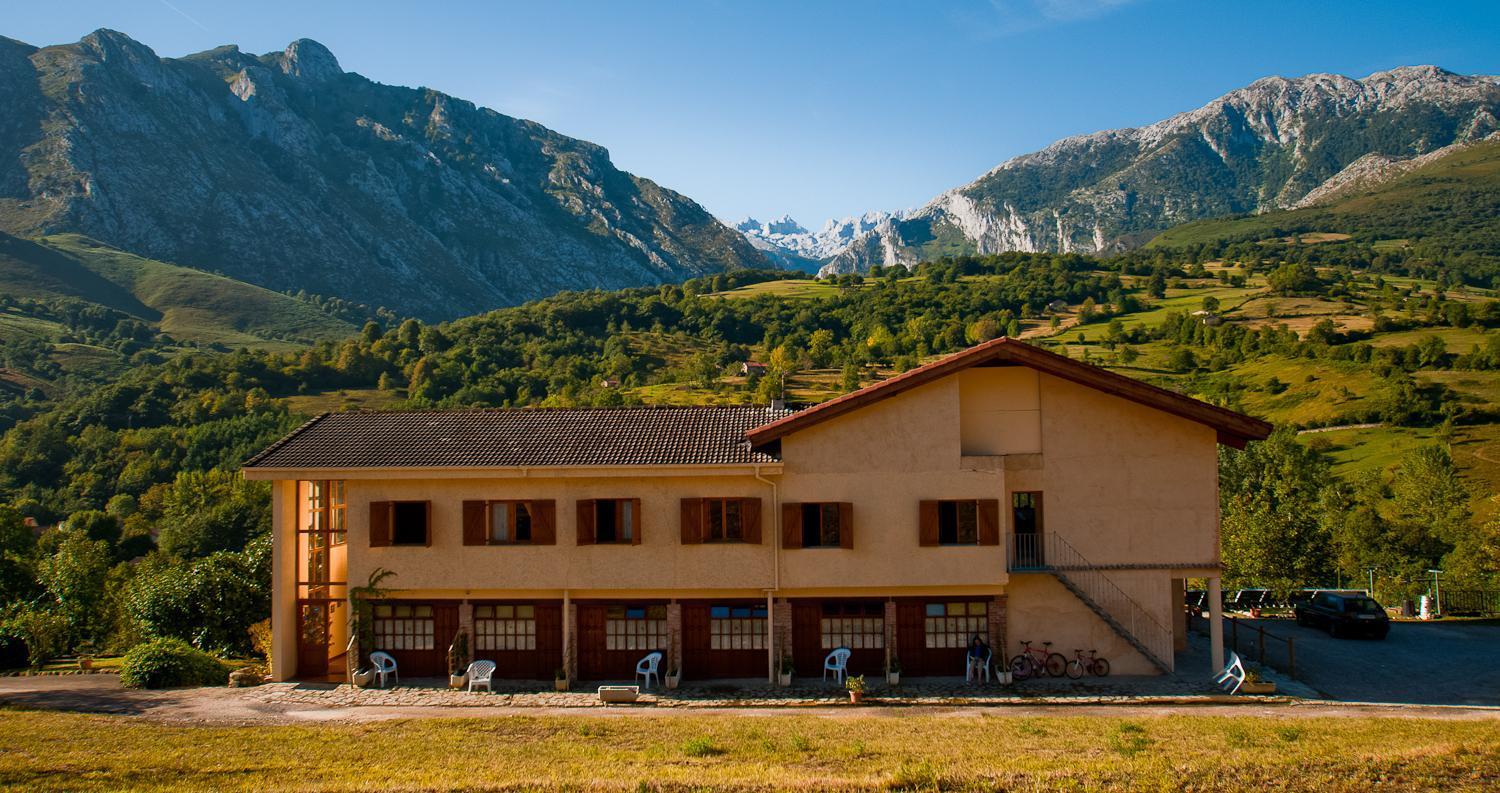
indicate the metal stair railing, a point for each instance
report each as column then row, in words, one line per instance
column 1050, row 553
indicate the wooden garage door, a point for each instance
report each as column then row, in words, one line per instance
column 523, row 638
column 818, row 626
column 932, row 636
column 417, row 634
column 614, row 637
column 724, row 639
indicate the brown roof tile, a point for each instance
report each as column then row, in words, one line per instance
column 521, row 437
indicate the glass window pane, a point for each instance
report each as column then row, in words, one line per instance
column 526, row 612
column 523, row 522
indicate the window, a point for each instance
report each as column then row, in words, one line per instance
column 737, row 627
column 614, row 520
column 409, row 523
column 510, row 521
column 858, row 626
column 327, row 511
column 723, row 520
column 820, row 525
column 403, row 627
column 635, row 628
column 953, row 624
column 958, row 522
column 1026, row 512
column 505, row 627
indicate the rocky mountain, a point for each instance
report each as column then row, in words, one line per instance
column 1264, row 147
column 287, row 172
column 786, row 240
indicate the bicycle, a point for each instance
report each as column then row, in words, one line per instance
column 1032, row 662
column 1094, row 665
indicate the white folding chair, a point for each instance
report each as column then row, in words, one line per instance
column 974, row 668
column 385, row 667
column 647, row 668
column 1233, row 675
column 837, row 662
column 480, row 673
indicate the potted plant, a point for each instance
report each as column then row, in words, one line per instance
column 855, row 684
column 674, row 676
column 362, row 678
column 86, row 656
column 1256, row 684
column 785, row 671
column 893, row 674
column 560, row 679
column 362, row 624
column 458, row 660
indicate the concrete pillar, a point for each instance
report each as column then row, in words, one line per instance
column 1216, row 624
column 283, row 580
column 570, row 636
column 891, row 650
column 674, row 637
column 783, row 629
column 1180, row 615
column 771, row 639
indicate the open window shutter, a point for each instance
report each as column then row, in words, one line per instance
column 474, row 533
column 427, row 505
column 750, row 512
column 927, row 532
column 846, row 524
column 692, row 521
column 791, row 525
column 544, row 522
column 380, row 523
column 586, row 513
column 635, row 512
column 989, row 521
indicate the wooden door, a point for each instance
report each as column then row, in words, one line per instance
column 807, row 652
column 313, row 632
column 523, row 638
column 734, row 653
column 591, row 661
column 910, row 640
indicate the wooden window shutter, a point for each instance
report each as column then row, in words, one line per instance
column 989, row 521
column 692, row 521
column 543, row 522
column 474, row 528
column 927, row 531
column 380, row 523
column 750, row 513
column 635, row 512
column 791, row 525
column 427, row 505
column 846, row 524
column 586, row 513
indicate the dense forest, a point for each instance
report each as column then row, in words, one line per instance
column 125, row 516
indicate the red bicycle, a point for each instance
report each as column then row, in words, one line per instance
column 1093, row 664
column 1032, row 662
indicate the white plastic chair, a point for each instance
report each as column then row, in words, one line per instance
column 1233, row 675
column 385, row 666
column 647, row 668
column 480, row 673
column 838, row 663
column 974, row 668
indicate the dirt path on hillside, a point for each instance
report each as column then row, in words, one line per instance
column 226, row 706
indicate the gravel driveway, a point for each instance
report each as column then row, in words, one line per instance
column 1430, row 663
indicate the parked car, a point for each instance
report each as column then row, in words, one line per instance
column 1345, row 614
column 1196, row 600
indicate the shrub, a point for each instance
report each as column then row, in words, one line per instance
column 164, row 663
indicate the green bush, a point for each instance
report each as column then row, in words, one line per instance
column 164, row 663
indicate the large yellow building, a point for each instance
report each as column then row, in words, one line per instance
column 1003, row 492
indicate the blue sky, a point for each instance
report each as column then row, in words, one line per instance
column 815, row 108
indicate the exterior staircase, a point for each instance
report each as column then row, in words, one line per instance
column 1050, row 554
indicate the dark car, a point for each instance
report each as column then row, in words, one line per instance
column 1344, row 615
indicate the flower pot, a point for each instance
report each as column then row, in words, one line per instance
column 856, row 697
column 893, row 678
column 85, row 663
column 560, row 684
column 1007, row 678
column 362, row 678
column 1258, row 687
column 457, row 681
column 784, row 679
column 671, row 681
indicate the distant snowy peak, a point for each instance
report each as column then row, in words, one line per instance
column 788, row 236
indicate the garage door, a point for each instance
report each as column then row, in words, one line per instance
column 724, row 640
column 417, row 634
column 932, row 636
column 818, row 626
column 523, row 638
column 613, row 637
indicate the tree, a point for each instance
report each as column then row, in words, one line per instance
column 850, row 380
column 208, row 511
column 1293, row 278
column 96, row 525
column 210, row 602
column 1156, row 285
column 72, row 578
column 1211, row 304
column 17, row 544
column 982, row 330
column 1270, row 496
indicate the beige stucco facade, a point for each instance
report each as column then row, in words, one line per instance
column 1131, row 491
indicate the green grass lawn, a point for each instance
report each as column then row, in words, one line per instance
column 1183, row 301
column 1358, row 452
column 55, row 751
column 344, row 399
column 1459, row 340
column 797, row 288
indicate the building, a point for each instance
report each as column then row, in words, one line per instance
column 748, row 368
column 1004, row 491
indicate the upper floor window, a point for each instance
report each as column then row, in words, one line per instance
column 817, row 525
column 960, row 522
column 327, row 512
column 509, row 522
column 400, row 523
column 721, row 520
column 609, row 521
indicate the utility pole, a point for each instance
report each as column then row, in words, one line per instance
column 1437, row 593
column 1371, row 590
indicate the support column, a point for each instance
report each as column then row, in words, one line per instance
column 891, row 650
column 284, row 629
column 674, row 637
column 771, row 669
column 997, row 629
column 570, row 637
column 1216, row 624
column 783, row 630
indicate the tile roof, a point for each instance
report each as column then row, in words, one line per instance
column 522, row 437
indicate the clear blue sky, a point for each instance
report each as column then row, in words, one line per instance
column 815, row 108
